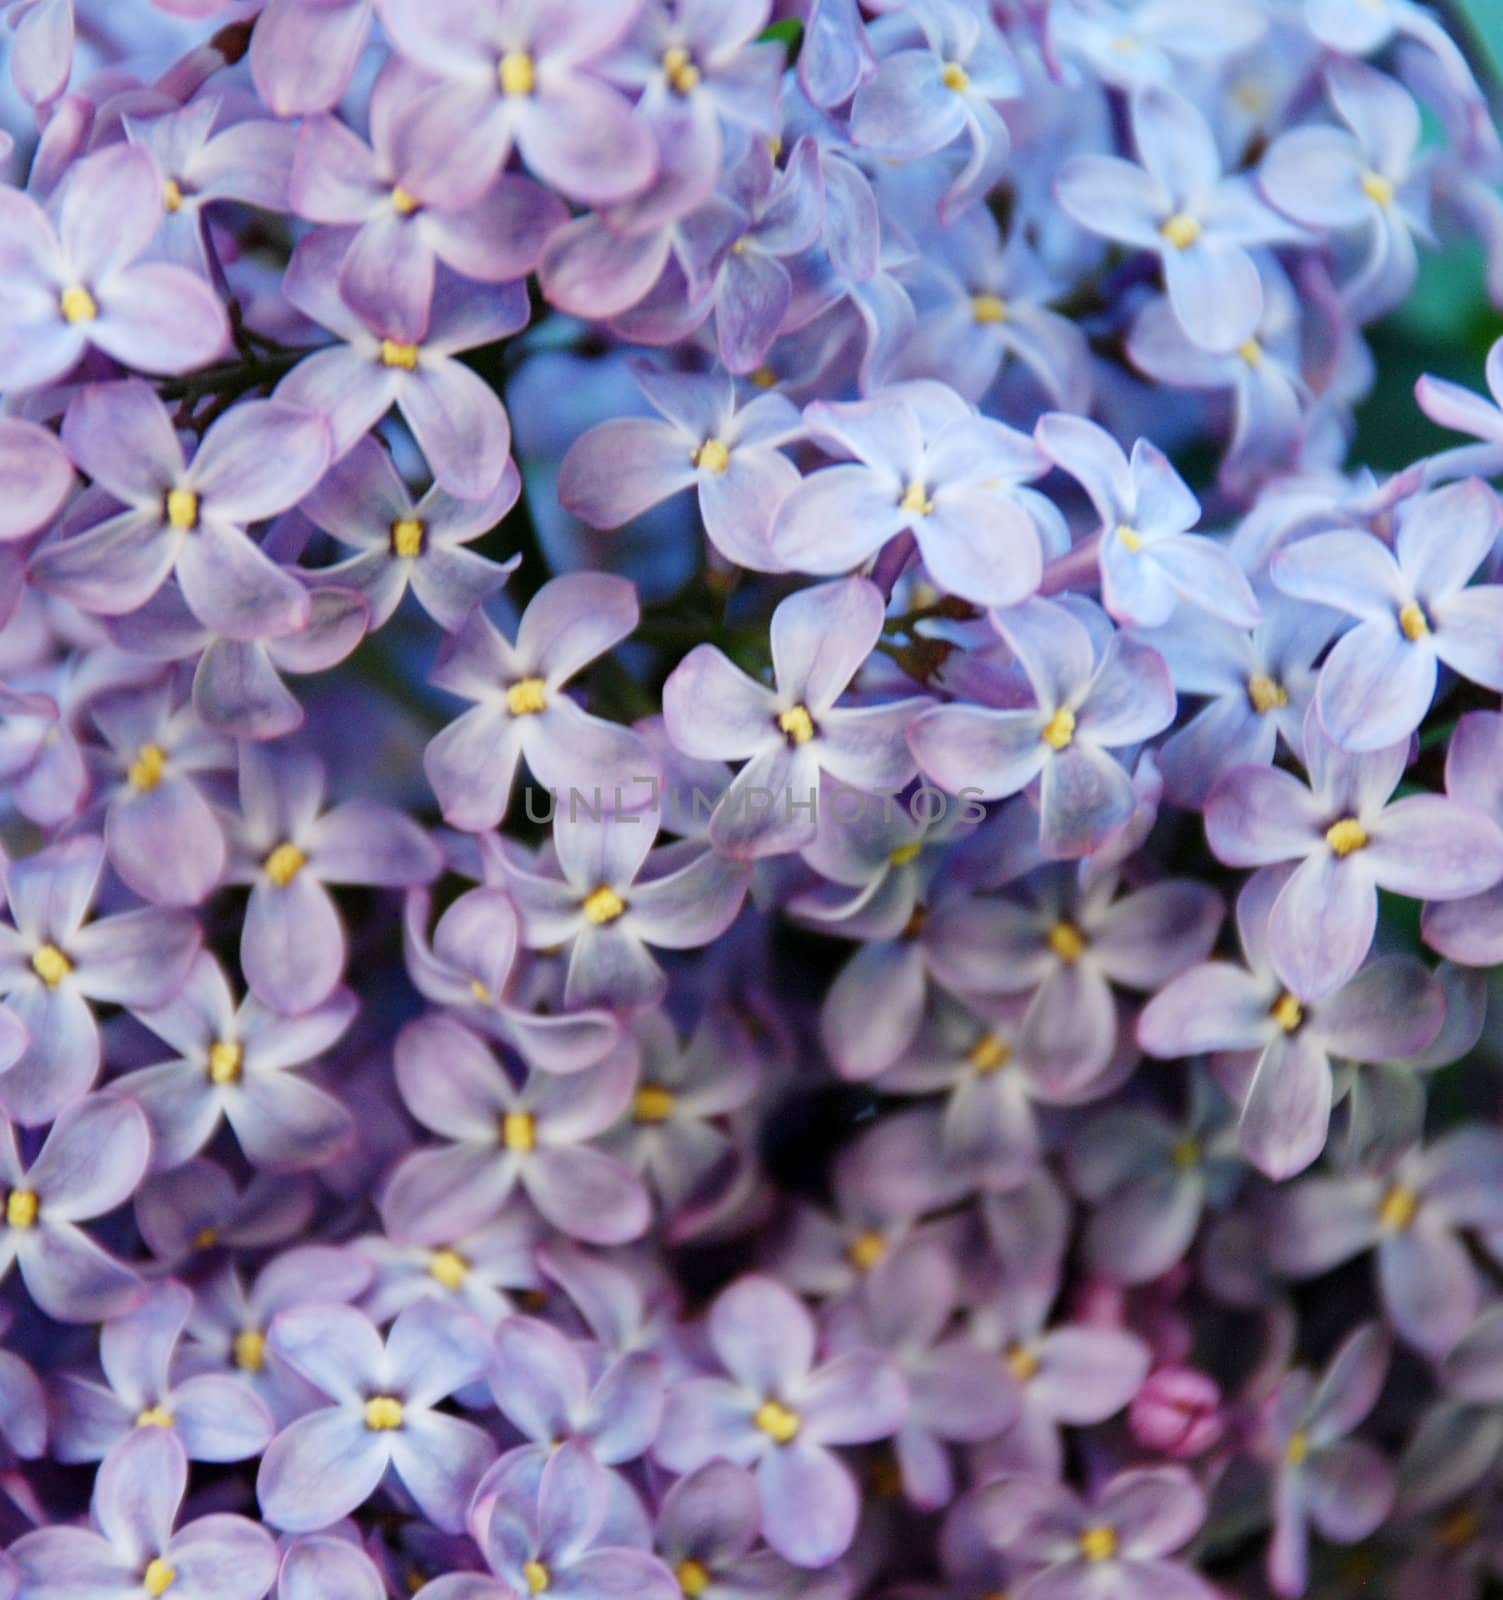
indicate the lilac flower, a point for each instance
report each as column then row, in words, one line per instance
column 198, row 1207
column 1411, row 1216
column 136, row 1498
column 80, row 283
column 362, row 501
column 381, row 1414
column 1390, row 1009
column 1178, row 204
column 93, row 1157
column 519, row 709
column 1349, row 841
column 516, row 75
column 303, row 57
column 214, row 1416
column 1084, row 707
column 779, row 1413
column 456, row 418
column 42, row 55
column 1413, row 612
column 1471, row 930
column 1121, row 1543
column 501, row 1137
column 40, row 476
column 1343, row 1486
column 733, row 456
column 286, row 846
column 480, row 1269
column 1177, row 1412
column 399, row 196
column 794, row 732
column 186, row 518
column 53, row 962
column 234, row 1066
column 1149, row 563
column 922, row 463
column 610, row 899
column 317, row 1566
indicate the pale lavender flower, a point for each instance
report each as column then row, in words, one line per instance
column 1471, row 930
column 42, row 55
column 38, row 475
column 302, row 57
column 480, row 1269
column 198, row 1207
column 381, row 1414
column 325, row 1567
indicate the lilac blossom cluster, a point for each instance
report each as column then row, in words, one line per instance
column 954, row 1094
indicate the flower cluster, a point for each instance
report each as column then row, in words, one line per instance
column 735, row 864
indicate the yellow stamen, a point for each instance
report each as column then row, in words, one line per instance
column 1346, row 836
column 777, row 1421
column 763, row 378
column 383, row 1413
column 172, row 195
column 916, row 500
column 1377, row 188
column 226, row 1056
column 50, row 965
column 284, row 863
column 1181, row 230
column 1099, row 1543
column 182, row 509
column 1396, row 1211
column 1251, row 352
column 797, row 724
column 145, row 772
column 250, row 1350
column 1067, row 942
column 653, row 1103
column 1460, row 1528
column 394, row 354
column 402, row 202
column 77, row 304
column 603, row 905
column 693, row 1578
column 1287, row 1012
column 1060, row 729
column 679, row 69
column 480, row 992
column 526, row 697
column 205, row 1237
column 154, row 1417
column 1129, row 537
column 1125, row 44
column 1297, row 1448
column 1186, row 1154
column 904, row 854
column 1414, row 622
column 1021, row 1362
column 712, row 456
column 1266, row 694
column 989, row 1053
column 988, row 308
column 449, row 1268
column 536, row 1575
column 519, row 1131
column 954, row 76
column 157, row 1578
column 407, row 537
column 866, row 1250
column 514, row 73
column 21, row 1208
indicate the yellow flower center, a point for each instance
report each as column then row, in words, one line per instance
column 225, row 1059
column 1251, row 352
column 797, row 724
column 653, row 1103
column 693, row 1578
column 988, row 308
column 1067, row 942
column 1099, row 1543
column 603, row 905
column 1297, row 1448
column 394, row 354
column 954, row 76
column 205, row 1237
column 145, row 772
column 172, row 195
column 989, row 1053
column 154, row 1417
column 515, row 74
column 480, row 992
column 402, row 202
column 21, row 1208
column 679, row 69
column 712, row 456
column 182, row 509
column 1129, row 538
column 1186, row 1154
column 866, row 1250
column 50, row 965
column 536, row 1575
column 763, row 378
column 916, row 500
column 1346, row 836
column 157, row 1578
column 250, row 1350
column 407, row 537
column 1397, row 1208
column 449, row 1268
column 1460, row 1528
column 284, row 863
column 777, row 1421
column 1287, row 1012
column 519, row 1131
column 526, row 697
column 1021, row 1362
column 1377, row 188
column 1414, row 622
column 1266, row 694
column 1181, row 230
column 383, row 1413
column 1059, row 730
column 904, row 854
column 77, row 304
